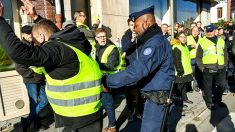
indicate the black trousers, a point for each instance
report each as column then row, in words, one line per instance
column 134, row 99
column 181, row 90
column 95, row 126
column 209, row 83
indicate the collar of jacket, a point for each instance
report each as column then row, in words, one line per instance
column 108, row 42
column 213, row 39
column 150, row 32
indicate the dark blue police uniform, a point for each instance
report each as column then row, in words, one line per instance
column 154, row 69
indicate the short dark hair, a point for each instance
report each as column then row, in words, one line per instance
column 129, row 20
column 182, row 32
column 199, row 22
column 165, row 24
column 193, row 23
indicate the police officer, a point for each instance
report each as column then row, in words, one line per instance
column 212, row 59
column 73, row 78
column 154, row 69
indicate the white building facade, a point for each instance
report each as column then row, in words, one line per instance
column 219, row 11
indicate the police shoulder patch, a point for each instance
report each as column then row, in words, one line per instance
column 147, row 51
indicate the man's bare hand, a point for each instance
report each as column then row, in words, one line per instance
column 29, row 9
column 105, row 90
column 97, row 21
column 193, row 46
column 1, row 9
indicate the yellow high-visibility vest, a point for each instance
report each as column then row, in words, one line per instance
column 212, row 54
column 122, row 62
column 191, row 41
column 38, row 70
column 79, row 95
column 185, row 58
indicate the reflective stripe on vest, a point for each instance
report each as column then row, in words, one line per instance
column 79, row 95
column 191, row 41
column 185, row 58
column 75, row 102
column 213, row 54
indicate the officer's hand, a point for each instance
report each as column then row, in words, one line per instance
column 29, row 9
column 1, row 9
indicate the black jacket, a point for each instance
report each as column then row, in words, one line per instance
column 131, row 48
column 59, row 60
column 113, row 59
column 179, row 68
column 29, row 76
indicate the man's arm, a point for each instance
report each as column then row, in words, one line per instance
column 24, row 71
column 225, row 56
column 127, row 44
column 149, row 59
column 24, row 54
column 178, row 62
column 199, row 56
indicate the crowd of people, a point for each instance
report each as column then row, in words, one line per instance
column 76, row 71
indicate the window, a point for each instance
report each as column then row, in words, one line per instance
column 219, row 12
column 186, row 11
column 160, row 9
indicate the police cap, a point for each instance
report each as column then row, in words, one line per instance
column 135, row 15
column 210, row 28
column 26, row 29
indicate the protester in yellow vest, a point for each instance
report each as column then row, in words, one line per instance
column 212, row 58
column 80, row 19
column 183, row 68
column 109, row 59
column 192, row 42
column 73, row 79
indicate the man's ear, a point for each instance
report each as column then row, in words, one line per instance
column 96, row 39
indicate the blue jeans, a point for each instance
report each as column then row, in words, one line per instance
column 37, row 99
column 108, row 105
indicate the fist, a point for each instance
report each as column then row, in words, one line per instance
column 193, row 46
column 134, row 35
column 105, row 90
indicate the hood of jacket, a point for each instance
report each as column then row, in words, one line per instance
column 73, row 37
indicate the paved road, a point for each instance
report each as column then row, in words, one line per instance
column 195, row 118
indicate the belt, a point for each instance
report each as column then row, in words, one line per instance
column 158, row 97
